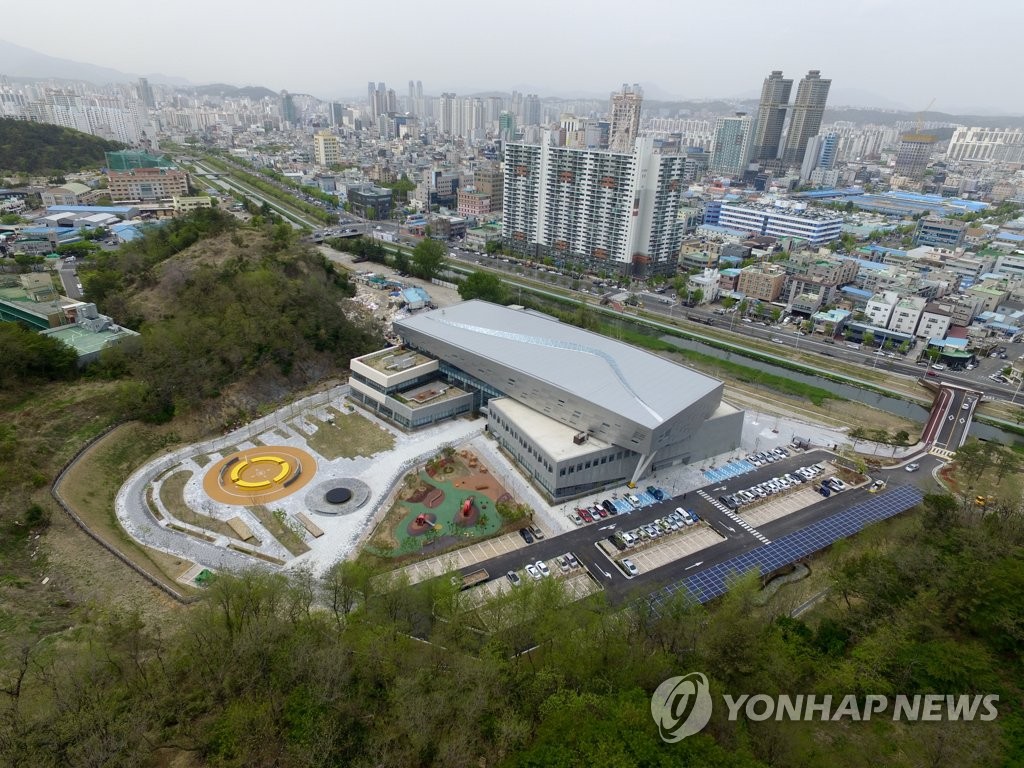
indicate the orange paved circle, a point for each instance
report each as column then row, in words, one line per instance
column 259, row 475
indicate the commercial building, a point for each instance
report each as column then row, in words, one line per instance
column 805, row 122
column 369, row 201
column 762, row 281
column 140, row 184
column 490, row 181
column 730, row 152
column 939, row 233
column 326, row 149
column 771, row 116
column 782, row 219
column 607, row 209
column 577, row 411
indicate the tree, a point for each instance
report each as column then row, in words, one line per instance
column 492, row 247
column 697, row 297
column 868, row 339
column 428, row 259
column 483, row 285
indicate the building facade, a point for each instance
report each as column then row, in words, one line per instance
column 730, row 152
column 771, row 116
column 607, row 209
column 940, row 233
column 625, row 121
column 326, row 149
column 817, row 227
column 805, row 122
column 147, row 184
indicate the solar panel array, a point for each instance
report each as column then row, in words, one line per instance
column 713, row 582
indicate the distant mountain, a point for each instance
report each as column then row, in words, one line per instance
column 18, row 61
column 254, row 92
column 39, row 149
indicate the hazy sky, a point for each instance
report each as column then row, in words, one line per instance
column 904, row 52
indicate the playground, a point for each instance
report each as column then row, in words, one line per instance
column 453, row 498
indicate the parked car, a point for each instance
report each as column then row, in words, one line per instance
column 837, row 484
column 538, row 534
column 587, row 517
column 563, row 564
column 534, row 573
column 825, row 490
column 513, row 578
column 543, row 568
column 576, row 519
column 608, row 506
column 630, row 566
column 527, row 536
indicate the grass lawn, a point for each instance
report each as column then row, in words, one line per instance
column 91, row 485
column 349, row 436
column 173, row 498
column 288, row 538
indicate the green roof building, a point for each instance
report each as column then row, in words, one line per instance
column 128, row 159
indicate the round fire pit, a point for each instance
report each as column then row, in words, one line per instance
column 338, row 495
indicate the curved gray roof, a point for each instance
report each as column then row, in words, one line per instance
column 619, row 377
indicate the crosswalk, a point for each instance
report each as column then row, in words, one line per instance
column 734, row 517
column 942, row 453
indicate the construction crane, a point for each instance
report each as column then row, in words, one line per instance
column 920, row 116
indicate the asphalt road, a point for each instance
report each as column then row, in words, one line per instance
column 582, row 542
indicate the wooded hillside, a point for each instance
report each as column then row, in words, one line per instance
column 37, row 148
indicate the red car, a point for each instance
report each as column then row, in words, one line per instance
column 585, row 514
column 601, row 511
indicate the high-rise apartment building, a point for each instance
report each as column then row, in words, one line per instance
column 730, row 151
column 914, row 152
column 531, row 109
column 507, row 126
column 982, row 145
column 146, row 93
column 820, row 154
column 616, row 210
column 805, row 121
column 289, row 113
column 625, row 122
column 771, row 116
column 326, row 149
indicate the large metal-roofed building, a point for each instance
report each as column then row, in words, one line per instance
column 577, row 410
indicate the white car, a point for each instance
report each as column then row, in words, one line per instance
column 543, row 568
column 913, row 467
column 630, row 566
column 534, row 573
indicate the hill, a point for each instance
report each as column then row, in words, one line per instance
column 253, row 92
column 35, row 148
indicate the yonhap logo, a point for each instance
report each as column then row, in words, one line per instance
column 681, row 706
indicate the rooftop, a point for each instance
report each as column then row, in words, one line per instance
column 394, row 359
column 86, row 342
column 611, row 374
column 553, row 437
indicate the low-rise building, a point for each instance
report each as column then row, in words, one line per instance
column 906, row 315
column 935, row 321
column 762, row 281
column 707, row 283
column 879, row 308
column 369, row 201
column 939, row 232
column 71, row 193
column 139, row 184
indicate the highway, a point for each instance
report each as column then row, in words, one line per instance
column 582, row 542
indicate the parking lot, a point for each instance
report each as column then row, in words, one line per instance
column 577, row 584
column 462, row 558
column 779, row 506
column 673, row 547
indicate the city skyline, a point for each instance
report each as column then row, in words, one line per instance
column 229, row 47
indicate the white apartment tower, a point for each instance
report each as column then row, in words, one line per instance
column 612, row 210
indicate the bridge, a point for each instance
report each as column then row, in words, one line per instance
column 950, row 419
